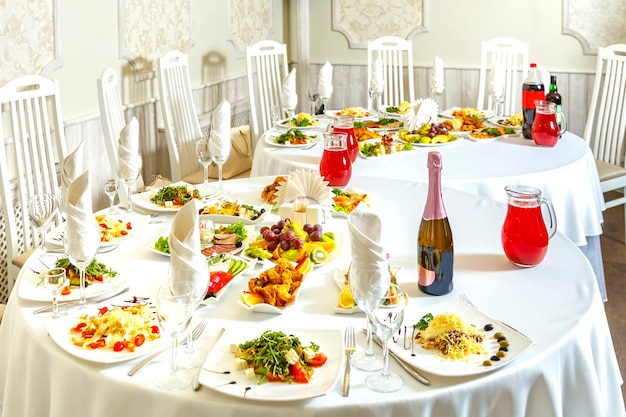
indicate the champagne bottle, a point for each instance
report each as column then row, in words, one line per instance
column 435, row 253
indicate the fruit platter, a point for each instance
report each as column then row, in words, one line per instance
column 428, row 134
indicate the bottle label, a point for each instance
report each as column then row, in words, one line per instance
column 529, row 97
column 558, row 114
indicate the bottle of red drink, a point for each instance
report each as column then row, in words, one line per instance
column 335, row 165
column 532, row 89
column 345, row 124
column 435, row 249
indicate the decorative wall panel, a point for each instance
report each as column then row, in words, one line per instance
column 364, row 20
column 595, row 23
column 30, row 38
column 148, row 29
column 247, row 22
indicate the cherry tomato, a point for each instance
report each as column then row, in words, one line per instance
column 272, row 378
column 299, row 373
column 66, row 290
column 317, row 360
column 123, row 232
column 129, row 226
column 139, row 339
column 103, row 310
column 155, row 329
column 119, row 346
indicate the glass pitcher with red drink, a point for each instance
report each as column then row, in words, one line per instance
column 345, row 124
column 525, row 235
column 335, row 165
column 545, row 129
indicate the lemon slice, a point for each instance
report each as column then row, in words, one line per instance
column 345, row 298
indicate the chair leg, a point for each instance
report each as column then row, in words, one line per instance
column 624, row 205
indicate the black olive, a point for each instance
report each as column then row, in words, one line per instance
column 495, row 358
column 500, row 339
column 488, row 327
column 504, row 349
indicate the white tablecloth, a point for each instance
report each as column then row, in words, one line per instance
column 566, row 174
column 570, row 371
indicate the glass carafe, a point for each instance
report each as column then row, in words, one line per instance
column 345, row 124
column 335, row 165
column 525, row 235
column 545, row 129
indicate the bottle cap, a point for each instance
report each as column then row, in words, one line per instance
column 434, row 160
column 533, row 65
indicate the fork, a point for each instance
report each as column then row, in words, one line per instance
column 350, row 347
column 197, row 331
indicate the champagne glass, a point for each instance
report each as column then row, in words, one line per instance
column 386, row 316
column 204, row 158
column 111, row 186
column 220, row 151
column 313, row 96
column 53, row 280
column 129, row 170
column 41, row 209
column 325, row 103
column 174, row 306
column 192, row 356
column 275, row 113
column 81, row 247
column 363, row 285
column 497, row 96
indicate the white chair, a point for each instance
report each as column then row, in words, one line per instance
column 112, row 119
column 182, row 128
column 512, row 55
column 266, row 66
column 31, row 150
column 397, row 58
column 605, row 131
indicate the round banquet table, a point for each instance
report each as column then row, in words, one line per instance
column 566, row 174
column 570, row 370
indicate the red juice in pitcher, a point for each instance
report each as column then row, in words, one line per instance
column 345, row 124
column 335, row 165
column 524, row 235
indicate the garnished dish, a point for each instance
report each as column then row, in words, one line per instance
column 428, row 134
column 357, row 112
column 453, row 338
column 388, row 123
column 174, row 196
column 363, row 133
column 229, row 239
column 96, row 272
column 107, row 334
column 112, row 228
column 258, row 364
column 490, row 133
column 231, row 211
column 383, row 146
column 467, row 111
column 404, row 108
column 269, row 192
column 301, row 121
column 516, row 121
column 345, row 301
column 224, row 268
column 463, row 123
column 293, row 138
column 347, row 200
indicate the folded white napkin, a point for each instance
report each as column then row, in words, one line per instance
column 377, row 81
column 325, row 81
column 290, row 96
column 128, row 150
column 496, row 80
column 81, row 224
column 369, row 260
column 187, row 263
column 425, row 110
column 437, row 81
column 304, row 184
column 71, row 168
column 219, row 138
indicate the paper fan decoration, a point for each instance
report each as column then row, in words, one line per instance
column 304, row 184
column 424, row 111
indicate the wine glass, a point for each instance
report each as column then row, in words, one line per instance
column 220, row 151
column 53, row 280
column 129, row 170
column 192, row 356
column 174, row 306
column 386, row 316
column 363, row 285
column 497, row 96
column 41, row 209
column 325, row 102
column 313, row 96
column 204, row 158
column 81, row 246
column 275, row 113
column 375, row 95
column 111, row 186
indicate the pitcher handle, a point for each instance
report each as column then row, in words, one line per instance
column 552, row 216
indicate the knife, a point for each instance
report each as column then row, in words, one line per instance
column 410, row 369
column 196, row 381
column 97, row 299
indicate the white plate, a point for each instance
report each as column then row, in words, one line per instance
column 59, row 331
column 235, row 384
column 225, row 219
column 448, row 113
column 434, row 145
column 374, row 141
column 142, row 200
column 497, row 123
column 286, row 123
column 270, row 139
column 430, row 360
column 30, row 287
column 337, row 113
column 54, row 239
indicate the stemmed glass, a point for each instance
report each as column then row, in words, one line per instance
column 313, row 96
column 497, row 96
column 81, row 250
column 53, row 280
column 192, row 357
column 174, row 306
column 220, row 151
column 129, row 171
column 363, row 285
column 41, row 209
column 204, row 158
column 375, row 94
column 111, row 186
column 325, row 102
column 386, row 315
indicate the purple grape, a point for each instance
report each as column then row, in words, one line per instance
column 308, row 227
column 271, row 246
column 297, row 243
column 276, row 231
column 263, row 229
column 289, row 235
column 281, row 224
column 285, row 244
column 316, row 236
column 269, row 236
column 317, row 228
